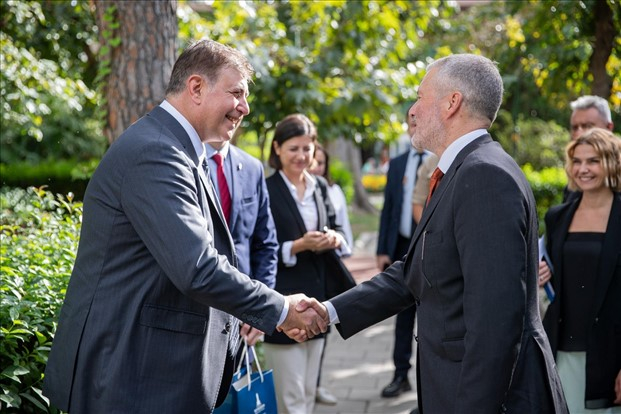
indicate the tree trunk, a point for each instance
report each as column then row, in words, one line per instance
column 349, row 153
column 602, row 48
column 142, row 39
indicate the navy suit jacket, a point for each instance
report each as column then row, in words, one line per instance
column 251, row 222
column 149, row 319
column 603, row 351
column 471, row 269
column 391, row 212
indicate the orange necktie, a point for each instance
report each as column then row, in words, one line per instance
column 433, row 183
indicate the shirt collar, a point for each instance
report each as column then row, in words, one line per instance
column 210, row 151
column 311, row 182
column 189, row 129
column 456, row 146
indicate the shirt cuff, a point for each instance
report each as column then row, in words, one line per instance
column 344, row 249
column 283, row 313
column 288, row 259
column 334, row 318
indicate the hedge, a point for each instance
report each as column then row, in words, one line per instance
column 39, row 235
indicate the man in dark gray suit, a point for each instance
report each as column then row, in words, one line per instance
column 471, row 268
column 149, row 322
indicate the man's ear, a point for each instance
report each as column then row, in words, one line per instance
column 454, row 102
column 196, row 86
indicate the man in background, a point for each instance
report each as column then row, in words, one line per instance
column 395, row 230
column 249, row 217
column 588, row 112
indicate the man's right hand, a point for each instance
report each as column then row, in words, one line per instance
column 306, row 318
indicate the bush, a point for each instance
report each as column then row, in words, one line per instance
column 342, row 176
column 39, row 235
column 60, row 176
column 547, row 186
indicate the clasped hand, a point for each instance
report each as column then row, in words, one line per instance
column 306, row 318
column 318, row 241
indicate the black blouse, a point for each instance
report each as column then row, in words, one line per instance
column 581, row 253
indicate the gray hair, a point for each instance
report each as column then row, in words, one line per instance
column 207, row 58
column 476, row 77
column 590, row 101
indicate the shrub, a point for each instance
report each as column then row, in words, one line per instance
column 60, row 176
column 39, row 233
column 342, row 176
column 547, row 185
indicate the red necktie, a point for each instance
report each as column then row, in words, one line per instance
column 223, row 187
column 435, row 180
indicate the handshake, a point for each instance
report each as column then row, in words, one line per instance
column 306, row 318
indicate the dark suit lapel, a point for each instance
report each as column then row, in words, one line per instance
column 609, row 254
column 292, row 207
column 444, row 184
column 175, row 128
column 560, row 235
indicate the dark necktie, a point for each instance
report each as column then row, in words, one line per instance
column 223, row 187
column 420, row 156
column 433, row 183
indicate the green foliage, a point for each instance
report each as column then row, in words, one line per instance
column 343, row 177
column 39, row 235
column 47, row 106
column 531, row 140
column 547, row 186
column 350, row 66
column 59, row 176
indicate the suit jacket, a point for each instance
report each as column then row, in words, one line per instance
column 251, row 222
column 391, row 212
column 603, row 351
column 146, row 325
column 309, row 274
column 472, row 272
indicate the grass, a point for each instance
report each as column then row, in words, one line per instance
column 362, row 221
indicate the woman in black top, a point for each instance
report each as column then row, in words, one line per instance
column 583, row 322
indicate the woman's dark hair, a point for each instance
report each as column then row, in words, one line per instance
column 326, row 171
column 291, row 126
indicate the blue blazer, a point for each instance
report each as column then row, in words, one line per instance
column 252, row 225
column 604, row 335
column 391, row 213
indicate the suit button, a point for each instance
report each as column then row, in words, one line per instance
column 416, row 338
column 227, row 328
column 503, row 408
column 417, row 301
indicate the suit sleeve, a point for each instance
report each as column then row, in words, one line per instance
column 370, row 302
column 492, row 236
column 161, row 197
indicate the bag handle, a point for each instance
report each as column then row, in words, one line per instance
column 246, row 357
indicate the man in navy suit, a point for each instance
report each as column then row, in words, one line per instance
column 471, row 268
column 150, row 319
column 395, row 231
column 250, row 221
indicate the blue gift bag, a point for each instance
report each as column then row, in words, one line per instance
column 252, row 392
